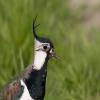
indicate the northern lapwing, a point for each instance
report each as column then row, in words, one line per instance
column 31, row 84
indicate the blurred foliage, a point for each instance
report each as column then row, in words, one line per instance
column 76, row 76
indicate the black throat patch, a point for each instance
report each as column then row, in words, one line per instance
column 36, row 81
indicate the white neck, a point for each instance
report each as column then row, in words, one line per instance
column 39, row 59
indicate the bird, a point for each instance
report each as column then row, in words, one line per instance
column 30, row 85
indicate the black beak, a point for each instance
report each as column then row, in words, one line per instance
column 53, row 54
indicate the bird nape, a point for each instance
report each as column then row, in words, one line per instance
column 30, row 85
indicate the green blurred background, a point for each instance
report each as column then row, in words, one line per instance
column 74, row 28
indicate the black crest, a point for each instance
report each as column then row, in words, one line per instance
column 34, row 27
column 41, row 39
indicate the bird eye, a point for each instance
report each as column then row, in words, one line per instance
column 44, row 47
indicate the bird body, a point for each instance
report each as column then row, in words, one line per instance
column 30, row 85
column 25, row 95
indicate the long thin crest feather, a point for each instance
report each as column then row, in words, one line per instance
column 35, row 26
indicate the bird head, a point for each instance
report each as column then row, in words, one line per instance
column 43, row 44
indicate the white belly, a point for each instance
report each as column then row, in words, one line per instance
column 25, row 95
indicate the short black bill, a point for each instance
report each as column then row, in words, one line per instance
column 53, row 54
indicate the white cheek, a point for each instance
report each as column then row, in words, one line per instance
column 39, row 59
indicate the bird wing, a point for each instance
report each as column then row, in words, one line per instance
column 13, row 91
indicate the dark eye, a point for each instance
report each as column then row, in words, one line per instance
column 44, row 47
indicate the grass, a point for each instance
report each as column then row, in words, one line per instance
column 76, row 76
